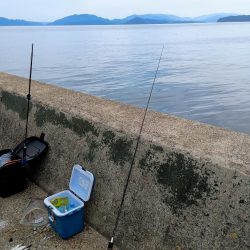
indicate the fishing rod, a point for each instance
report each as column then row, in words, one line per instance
column 111, row 242
column 28, row 107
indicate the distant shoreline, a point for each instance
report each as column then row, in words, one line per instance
column 125, row 25
column 86, row 19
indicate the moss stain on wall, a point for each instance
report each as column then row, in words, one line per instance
column 78, row 125
column 183, row 182
column 120, row 151
column 108, row 137
column 15, row 103
column 180, row 176
column 119, row 147
column 93, row 146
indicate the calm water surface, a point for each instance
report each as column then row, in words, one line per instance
column 204, row 73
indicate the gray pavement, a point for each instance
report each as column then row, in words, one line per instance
column 13, row 233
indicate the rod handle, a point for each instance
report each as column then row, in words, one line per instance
column 111, row 243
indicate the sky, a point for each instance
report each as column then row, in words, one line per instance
column 49, row 10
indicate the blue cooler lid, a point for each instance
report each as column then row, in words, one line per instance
column 81, row 182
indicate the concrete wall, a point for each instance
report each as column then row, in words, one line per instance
column 190, row 187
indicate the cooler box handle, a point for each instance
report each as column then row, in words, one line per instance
column 51, row 216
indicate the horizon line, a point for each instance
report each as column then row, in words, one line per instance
column 196, row 16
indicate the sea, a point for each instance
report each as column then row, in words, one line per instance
column 204, row 72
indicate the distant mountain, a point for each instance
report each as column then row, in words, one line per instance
column 163, row 17
column 17, row 22
column 86, row 19
column 139, row 20
column 212, row 18
column 123, row 20
column 83, row 19
column 242, row 18
column 150, row 19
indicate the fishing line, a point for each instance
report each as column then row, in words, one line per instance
column 28, row 107
column 111, row 242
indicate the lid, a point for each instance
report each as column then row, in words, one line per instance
column 35, row 148
column 81, row 182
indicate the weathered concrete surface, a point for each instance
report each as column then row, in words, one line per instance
column 190, row 187
column 13, row 233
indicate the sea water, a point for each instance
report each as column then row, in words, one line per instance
column 204, row 73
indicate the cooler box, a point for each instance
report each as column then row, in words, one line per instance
column 68, row 219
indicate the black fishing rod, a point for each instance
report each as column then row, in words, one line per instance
column 28, row 108
column 111, row 242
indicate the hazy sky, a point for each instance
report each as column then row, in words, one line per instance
column 47, row 10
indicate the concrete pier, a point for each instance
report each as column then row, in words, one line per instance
column 190, row 186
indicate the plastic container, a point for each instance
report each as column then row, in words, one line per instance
column 12, row 176
column 69, row 220
column 36, row 149
column 13, row 171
